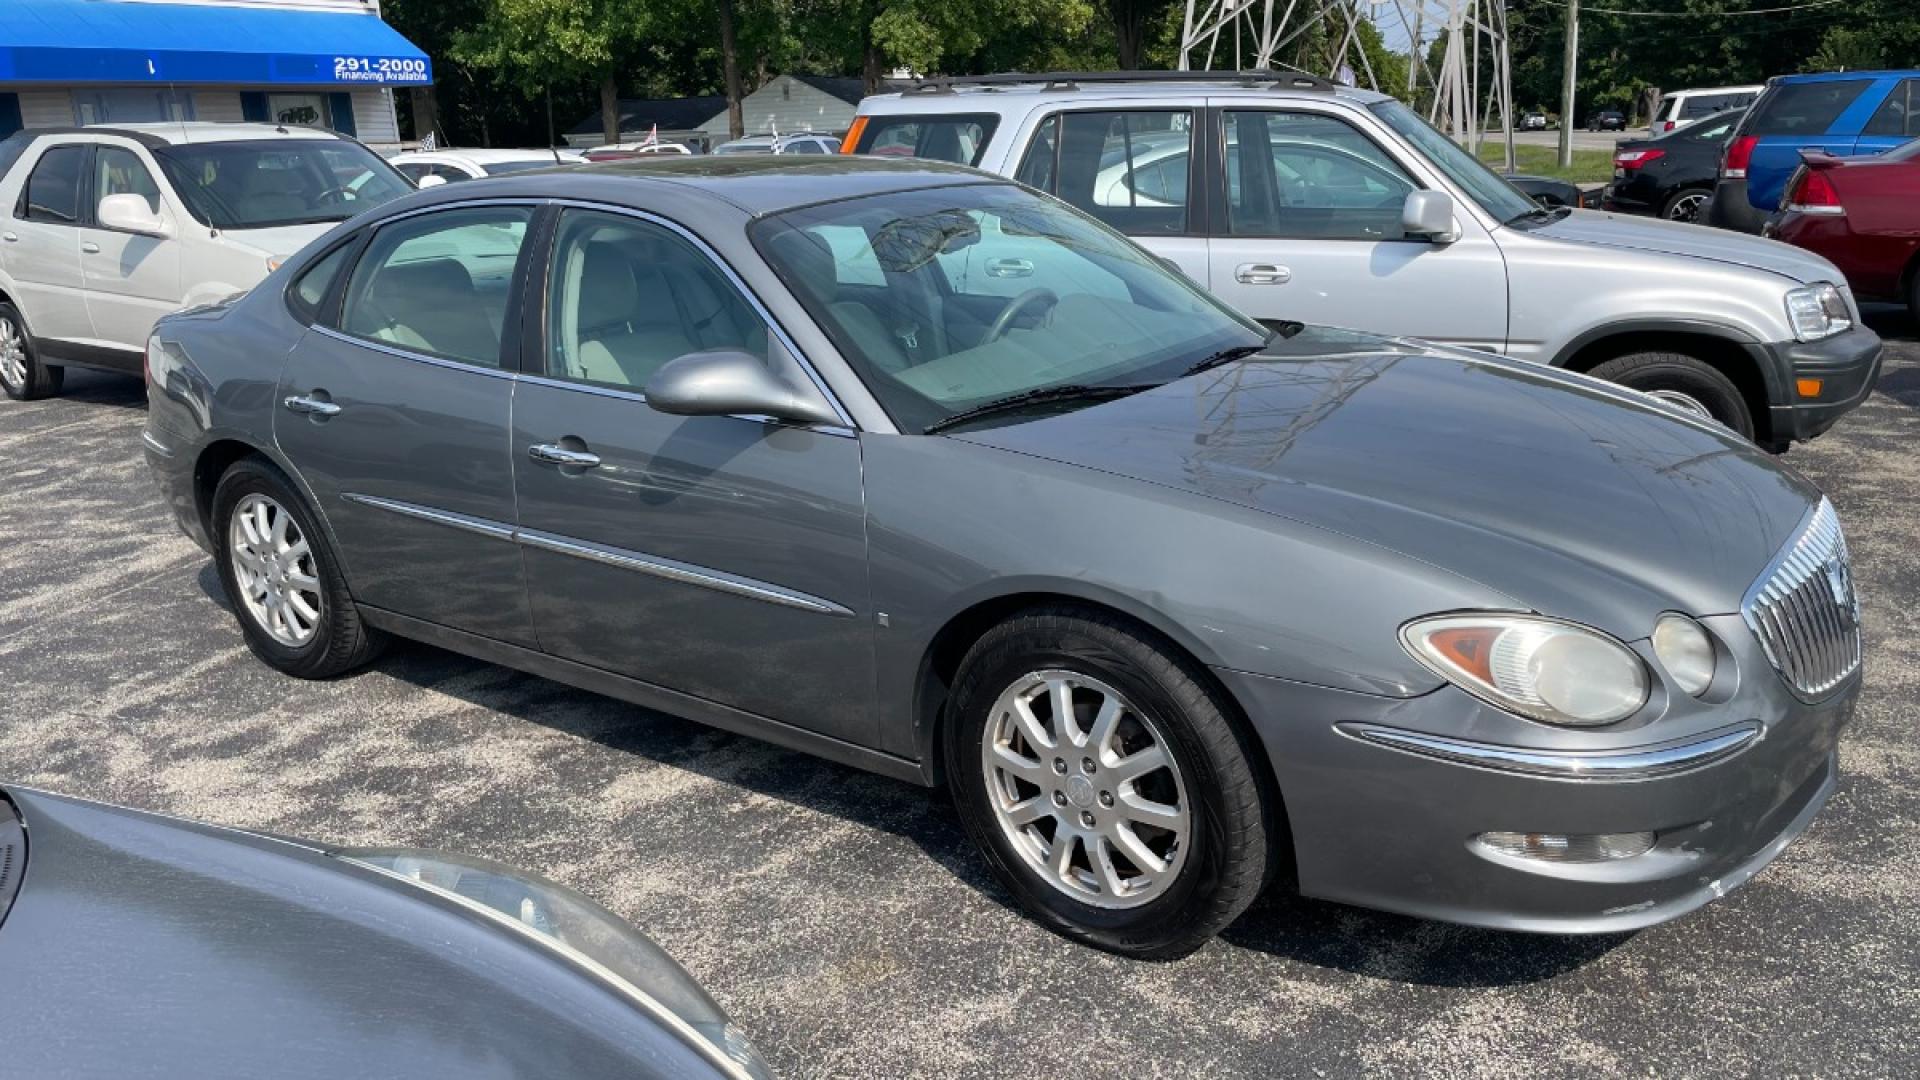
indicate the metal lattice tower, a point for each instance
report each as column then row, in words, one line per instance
column 1461, row 98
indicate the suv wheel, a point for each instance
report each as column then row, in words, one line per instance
column 1683, row 382
column 286, row 586
column 22, row 375
column 1107, row 787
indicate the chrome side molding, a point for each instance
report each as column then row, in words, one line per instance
column 1634, row 763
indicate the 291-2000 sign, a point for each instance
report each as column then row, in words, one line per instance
column 379, row 69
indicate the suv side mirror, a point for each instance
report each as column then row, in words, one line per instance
column 729, row 382
column 429, row 181
column 133, row 214
column 1428, row 215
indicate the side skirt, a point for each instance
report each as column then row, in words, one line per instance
column 645, row 694
column 96, row 357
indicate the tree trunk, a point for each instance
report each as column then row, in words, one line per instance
column 730, row 63
column 869, row 53
column 609, row 111
column 426, row 118
column 1127, row 37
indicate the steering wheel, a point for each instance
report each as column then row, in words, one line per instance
column 1004, row 321
column 332, row 195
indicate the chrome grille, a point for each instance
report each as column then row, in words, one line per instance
column 1804, row 611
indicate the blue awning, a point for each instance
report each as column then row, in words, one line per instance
column 103, row 41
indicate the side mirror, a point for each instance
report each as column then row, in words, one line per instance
column 131, row 213
column 1428, row 215
column 429, row 180
column 728, row 382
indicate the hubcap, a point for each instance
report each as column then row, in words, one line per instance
column 1688, row 208
column 1686, row 403
column 274, row 569
column 13, row 354
column 1086, row 789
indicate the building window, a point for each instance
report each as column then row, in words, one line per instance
column 300, row 110
column 131, row 106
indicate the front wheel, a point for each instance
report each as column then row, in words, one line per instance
column 23, row 375
column 1685, row 383
column 1108, row 788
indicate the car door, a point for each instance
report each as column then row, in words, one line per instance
column 396, row 408
column 42, row 243
column 130, row 280
column 1308, row 229
column 719, row 556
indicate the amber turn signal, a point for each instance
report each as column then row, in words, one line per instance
column 854, row 132
column 1808, row 387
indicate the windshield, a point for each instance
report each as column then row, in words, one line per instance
column 495, row 168
column 947, row 299
column 275, row 182
column 1497, row 197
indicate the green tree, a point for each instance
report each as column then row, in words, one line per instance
column 533, row 45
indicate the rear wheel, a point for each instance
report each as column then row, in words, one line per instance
column 1686, row 205
column 1683, row 382
column 1105, row 784
column 1913, row 295
column 23, row 375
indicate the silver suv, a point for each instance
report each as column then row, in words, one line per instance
column 1359, row 214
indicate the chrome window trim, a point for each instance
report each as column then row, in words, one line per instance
column 408, row 354
column 1633, row 763
column 479, row 526
column 684, row 573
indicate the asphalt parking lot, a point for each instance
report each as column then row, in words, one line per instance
column 844, row 920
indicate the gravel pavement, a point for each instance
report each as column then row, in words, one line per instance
column 843, row 919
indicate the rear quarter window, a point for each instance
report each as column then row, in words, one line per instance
column 1808, row 108
column 10, row 151
column 959, row 138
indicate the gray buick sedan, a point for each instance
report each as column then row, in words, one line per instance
column 920, row 471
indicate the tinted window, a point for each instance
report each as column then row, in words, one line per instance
column 311, row 289
column 495, row 168
column 804, row 146
column 257, row 185
column 439, row 283
column 53, row 190
column 413, row 170
column 627, row 296
column 1096, row 159
column 450, row 173
column 1036, row 170
column 1714, row 130
column 120, row 172
column 1320, row 178
column 959, row 139
column 11, row 149
column 1807, row 108
column 1900, row 114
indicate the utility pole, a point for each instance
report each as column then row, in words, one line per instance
column 1566, row 95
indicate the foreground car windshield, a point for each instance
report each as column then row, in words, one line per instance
column 951, row 298
column 1486, row 187
column 261, row 185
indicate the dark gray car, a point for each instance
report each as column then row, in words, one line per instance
column 137, row 945
column 915, row 469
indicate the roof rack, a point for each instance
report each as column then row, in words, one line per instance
column 1072, row 80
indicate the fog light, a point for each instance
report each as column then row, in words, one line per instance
column 1553, row 847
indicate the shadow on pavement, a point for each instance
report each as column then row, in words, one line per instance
column 102, row 388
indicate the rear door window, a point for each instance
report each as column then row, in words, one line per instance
column 1807, row 108
column 1129, row 169
column 960, row 138
column 438, row 284
column 1899, row 115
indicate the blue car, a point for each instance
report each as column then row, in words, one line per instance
column 1843, row 113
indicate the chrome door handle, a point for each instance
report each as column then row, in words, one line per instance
column 1262, row 274
column 560, row 455
column 90, row 247
column 10, row 238
column 309, row 406
column 1006, row 268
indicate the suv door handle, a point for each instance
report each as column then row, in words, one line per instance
column 560, row 455
column 89, row 247
column 1262, row 274
column 311, row 406
column 10, row 238
column 1006, row 268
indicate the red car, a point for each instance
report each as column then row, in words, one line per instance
column 1863, row 214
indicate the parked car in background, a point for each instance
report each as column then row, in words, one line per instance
column 1682, row 107
column 1607, row 120
column 454, row 166
column 1551, row 192
column 804, row 142
column 1843, row 113
column 884, row 461
column 133, row 944
column 1671, row 176
column 1362, row 215
column 1534, row 121
column 1863, row 214
column 107, row 228
column 629, row 151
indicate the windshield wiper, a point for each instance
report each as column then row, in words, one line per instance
column 1228, row 356
column 1042, row 396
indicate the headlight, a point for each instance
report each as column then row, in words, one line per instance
column 1543, row 669
column 1685, row 651
column 577, row 927
column 1817, row 311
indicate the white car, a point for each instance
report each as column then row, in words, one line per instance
column 800, row 142
column 105, row 229
column 1682, row 107
column 453, row 166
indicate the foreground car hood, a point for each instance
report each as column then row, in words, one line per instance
column 1574, row 497
column 1599, row 229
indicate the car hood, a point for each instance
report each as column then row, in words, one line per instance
column 277, row 242
column 1598, row 229
column 1573, row 497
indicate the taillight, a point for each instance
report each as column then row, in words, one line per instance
column 1739, row 156
column 1812, row 193
column 849, row 144
column 1637, row 159
column 1667, row 126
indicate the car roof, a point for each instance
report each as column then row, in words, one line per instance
column 1741, row 89
column 1843, row 76
column 179, row 133
column 949, row 95
column 481, row 156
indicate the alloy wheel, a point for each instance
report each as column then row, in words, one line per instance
column 1086, row 789
column 13, row 354
column 274, row 569
column 1688, row 207
column 1686, row 403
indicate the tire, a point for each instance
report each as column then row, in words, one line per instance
column 23, row 375
column 1686, row 205
column 321, row 634
column 1913, row 296
column 1213, row 864
column 1676, row 375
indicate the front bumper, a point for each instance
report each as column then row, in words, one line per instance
column 1394, row 828
column 1847, row 365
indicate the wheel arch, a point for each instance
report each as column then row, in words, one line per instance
column 1722, row 348
column 219, row 454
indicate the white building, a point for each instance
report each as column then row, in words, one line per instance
column 319, row 63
